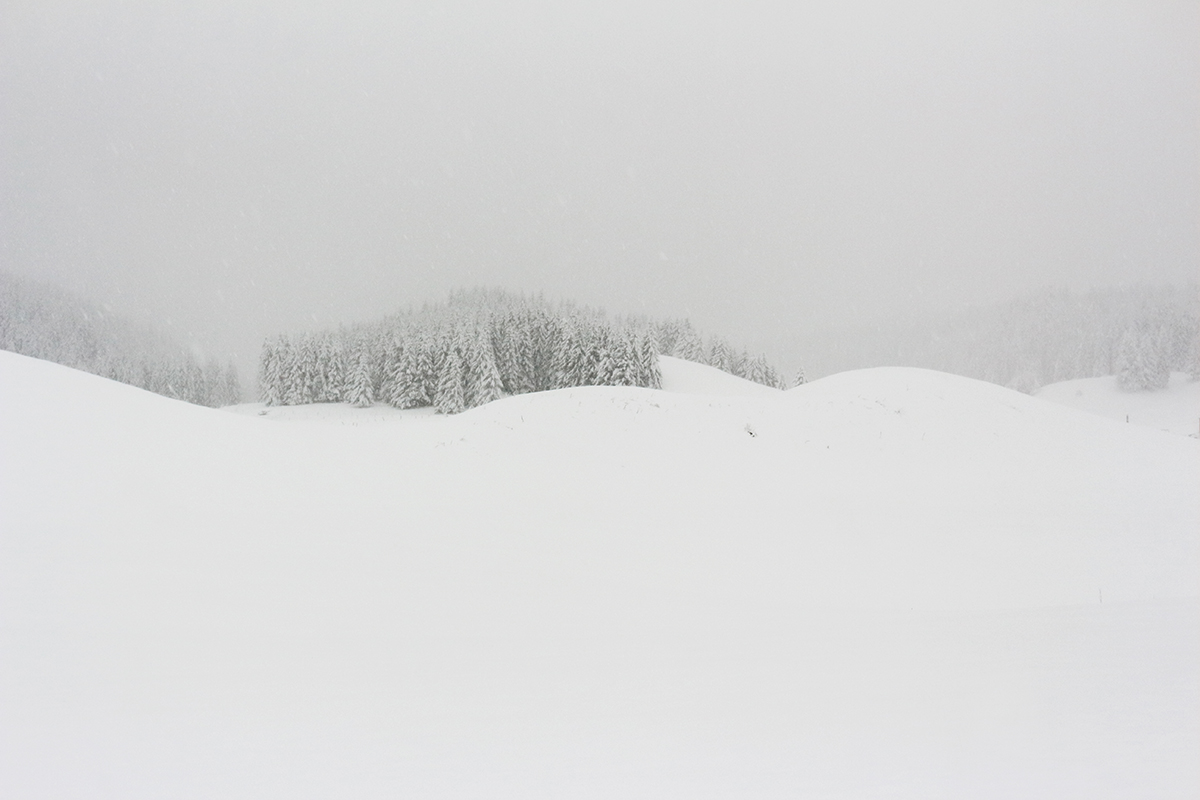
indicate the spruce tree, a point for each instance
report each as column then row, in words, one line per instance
column 427, row 362
column 607, row 369
column 688, row 346
column 335, row 370
column 547, row 342
column 408, row 390
column 1140, row 362
column 450, row 398
column 719, row 355
column 650, row 373
column 268, row 374
column 232, row 387
column 359, row 391
column 568, row 356
column 290, row 373
column 486, row 384
column 624, row 356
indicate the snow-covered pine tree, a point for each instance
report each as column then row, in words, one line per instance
column 268, row 374
column 290, row 372
column 211, row 393
column 1130, row 365
column 756, row 370
column 567, row 370
column 359, row 390
column 666, row 335
column 502, row 334
column 466, row 345
column 427, row 363
column 393, row 354
column 518, row 372
column 306, row 371
column 719, row 354
column 232, row 387
column 322, row 392
column 1140, row 365
column 316, row 369
column 627, row 369
column 688, row 345
column 741, row 364
column 379, row 342
column 650, row 375
column 586, row 355
column 525, row 355
column 450, row 397
column 1158, row 358
column 770, row 376
column 1181, row 332
column 605, row 360
column 800, row 379
column 485, row 384
column 335, row 369
column 545, row 343
column 408, row 389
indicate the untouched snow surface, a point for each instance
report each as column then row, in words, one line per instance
column 885, row 583
column 1175, row 409
column 688, row 377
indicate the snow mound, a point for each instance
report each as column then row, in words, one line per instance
column 688, row 377
column 1175, row 409
column 882, row 583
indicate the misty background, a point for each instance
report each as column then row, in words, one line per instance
column 227, row 171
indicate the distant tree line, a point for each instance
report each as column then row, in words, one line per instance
column 477, row 346
column 1139, row 333
column 49, row 323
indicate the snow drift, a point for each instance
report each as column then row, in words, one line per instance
column 886, row 582
column 1175, row 409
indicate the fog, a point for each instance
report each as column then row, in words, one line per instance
column 232, row 170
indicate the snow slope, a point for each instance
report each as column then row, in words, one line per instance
column 1175, row 409
column 885, row 583
column 688, row 377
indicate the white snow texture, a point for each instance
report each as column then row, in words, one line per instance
column 886, row 583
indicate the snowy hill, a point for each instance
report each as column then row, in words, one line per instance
column 882, row 583
column 1175, row 409
column 688, row 377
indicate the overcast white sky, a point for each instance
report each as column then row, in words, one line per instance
column 242, row 168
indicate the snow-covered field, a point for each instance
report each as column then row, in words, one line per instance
column 886, row 583
column 1175, row 409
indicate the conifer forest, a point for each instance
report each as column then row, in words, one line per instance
column 50, row 323
column 479, row 345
